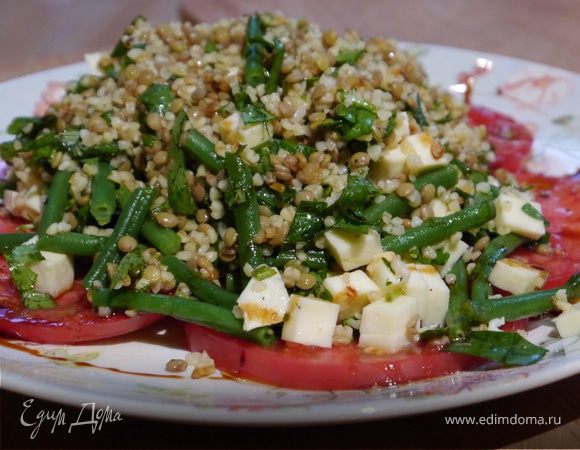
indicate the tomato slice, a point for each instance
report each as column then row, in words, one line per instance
column 72, row 320
column 341, row 367
column 511, row 140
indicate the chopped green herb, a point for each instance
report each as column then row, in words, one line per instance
column 534, row 213
column 19, row 261
column 507, row 348
column 263, row 272
column 157, row 98
column 349, row 56
column 210, row 47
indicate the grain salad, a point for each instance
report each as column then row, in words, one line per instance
column 272, row 180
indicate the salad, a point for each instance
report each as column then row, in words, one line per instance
column 310, row 210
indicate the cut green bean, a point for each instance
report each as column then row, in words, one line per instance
column 77, row 244
column 254, row 52
column 447, row 176
column 56, row 200
column 103, row 200
column 200, row 287
column 392, row 204
column 10, row 240
column 203, row 150
column 246, row 214
column 188, row 309
column 521, row 306
column 497, row 249
column 457, row 320
column 179, row 190
column 163, row 239
column 129, row 223
column 436, row 229
column 276, row 68
column 399, row 207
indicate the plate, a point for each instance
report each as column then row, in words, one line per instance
column 127, row 374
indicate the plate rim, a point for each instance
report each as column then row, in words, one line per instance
column 27, row 385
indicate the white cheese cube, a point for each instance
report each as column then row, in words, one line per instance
column 455, row 252
column 92, row 61
column 439, row 208
column 402, row 129
column 264, row 302
column 390, row 326
column 516, row 276
column 420, row 158
column 432, row 294
column 390, row 164
column 568, row 322
column 55, row 274
column 351, row 291
column 510, row 218
column 254, row 135
column 382, row 274
column 353, row 250
column 310, row 321
column 26, row 204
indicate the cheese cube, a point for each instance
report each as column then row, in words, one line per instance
column 455, row 252
column 27, row 204
column 310, row 321
column 55, row 274
column 264, row 302
column 431, row 292
column 352, row 291
column 402, row 129
column 439, row 208
column 516, row 276
column 353, row 250
column 382, row 274
column 420, row 158
column 390, row 326
column 233, row 131
column 254, row 135
column 390, row 164
column 568, row 322
column 510, row 218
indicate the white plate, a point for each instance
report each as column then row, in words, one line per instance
column 127, row 373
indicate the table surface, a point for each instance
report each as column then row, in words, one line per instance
column 38, row 34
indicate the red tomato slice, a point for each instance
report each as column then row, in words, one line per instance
column 72, row 320
column 341, row 367
column 511, row 140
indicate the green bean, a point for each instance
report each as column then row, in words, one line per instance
column 56, row 200
column 436, row 229
column 457, row 320
column 72, row 244
column 200, row 287
column 10, row 240
column 190, row 310
column 254, row 52
column 103, row 200
column 163, row 239
column 315, row 259
column 246, row 215
column 392, row 204
column 445, row 176
column 129, row 223
column 520, row 306
column 203, row 150
column 179, row 191
column 276, row 68
column 398, row 207
column 497, row 249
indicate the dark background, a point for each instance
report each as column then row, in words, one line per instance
column 423, row 431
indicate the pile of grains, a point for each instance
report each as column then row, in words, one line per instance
column 203, row 66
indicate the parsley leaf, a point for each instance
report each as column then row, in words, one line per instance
column 19, row 261
column 349, row 56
